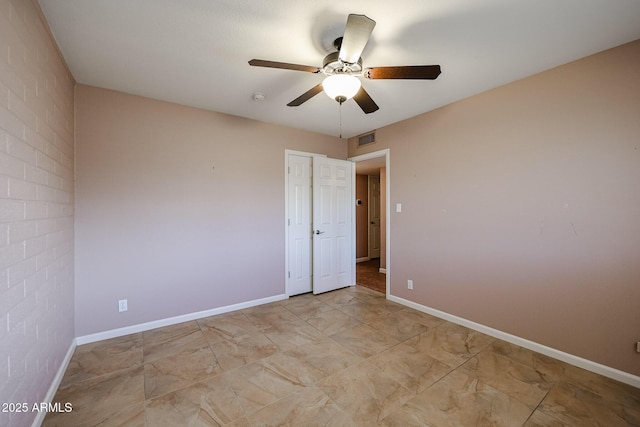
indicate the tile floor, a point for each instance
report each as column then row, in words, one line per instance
column 345, row 358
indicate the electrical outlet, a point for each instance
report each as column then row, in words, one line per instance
column 122, row 305
column 409, row 284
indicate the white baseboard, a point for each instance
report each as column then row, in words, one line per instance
column 141, row 327
column 382, row 270
column 363, row 259
column 57, row 379
column 571, row 359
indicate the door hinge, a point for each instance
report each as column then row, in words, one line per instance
column 289, row 275
column 289, row 221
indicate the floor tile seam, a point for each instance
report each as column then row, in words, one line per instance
column 533, row 408
column 606, row 397
column 205, row 329
column 189, row 383
column 105, row 414
column 279, row 373
column 271, row 324
column 82, row 423
column 409, row 310
column 402, row 338
column 538, row 407
column 423, row 353
column 314, row 302
column 235, row 339
column 116, row 372
column 318, row 329
column 306, row 315
column 374, row 368
column 146, row 401
column 216, row 357
column 268, row 306
column 180, row 350
column 453, row 369
column 355, row 316
column 173, row 340
column 473, row 373
column 344, row 410
column 489, row 344
column 394, row 346
column 280, row 349
column 173, row 326
column 285, row 307
column 520, row 363
column 345, row 349
column 341, row 345
column 248, row 416
column 153, row 362
column 182, row 347
column 226, row 370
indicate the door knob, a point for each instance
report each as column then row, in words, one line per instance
column 319, row 232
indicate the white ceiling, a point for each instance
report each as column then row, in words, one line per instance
column 195, row 52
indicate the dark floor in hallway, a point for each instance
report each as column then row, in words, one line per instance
column 368, row 275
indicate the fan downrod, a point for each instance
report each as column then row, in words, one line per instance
column 337, row 43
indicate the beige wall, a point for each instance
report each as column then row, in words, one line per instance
column 521, row 208
column 36, row 208
column 178, row 210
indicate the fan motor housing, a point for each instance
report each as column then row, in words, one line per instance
column 333, row 65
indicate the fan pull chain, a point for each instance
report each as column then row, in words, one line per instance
column 340, row 109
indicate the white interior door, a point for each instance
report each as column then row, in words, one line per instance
column 374, row 217
column 299, row 225
column 333, row 209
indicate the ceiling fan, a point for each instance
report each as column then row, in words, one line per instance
column 344, row 66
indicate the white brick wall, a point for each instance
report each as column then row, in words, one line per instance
column 36, row 208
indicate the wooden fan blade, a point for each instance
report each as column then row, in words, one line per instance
column 356, row 36
column 365, row 102
column 411, row 72
column 306, row 96
column 283, row 65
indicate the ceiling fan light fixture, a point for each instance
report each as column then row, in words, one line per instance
column 341, row 86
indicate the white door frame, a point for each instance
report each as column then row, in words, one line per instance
column 386, row 154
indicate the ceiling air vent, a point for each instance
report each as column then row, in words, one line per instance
column 369, row 138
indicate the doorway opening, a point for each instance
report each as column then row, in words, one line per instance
column 374, row 254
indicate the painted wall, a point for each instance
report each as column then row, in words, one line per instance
column 178, row 210
column 362, row 216
column 36, row 208
column 521, row 207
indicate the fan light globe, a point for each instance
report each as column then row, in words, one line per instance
column 341, row 86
